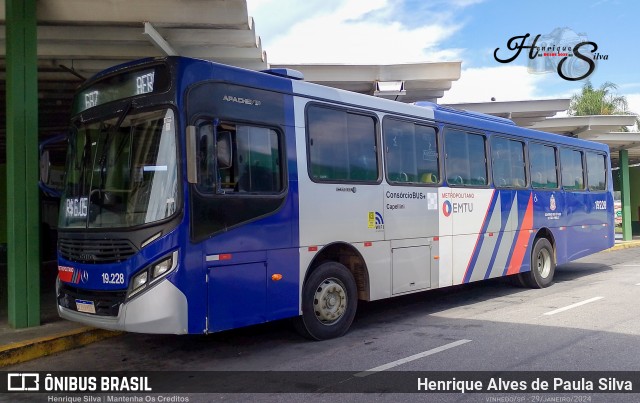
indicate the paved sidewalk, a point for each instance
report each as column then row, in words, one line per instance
column 52, row 336
column 620, row 244
column 44, row 340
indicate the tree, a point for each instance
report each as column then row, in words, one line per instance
column 600, row 101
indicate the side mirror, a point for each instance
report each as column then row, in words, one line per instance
column 52, row 156
column 224, row 151
column 45, row 167
column 192, row 163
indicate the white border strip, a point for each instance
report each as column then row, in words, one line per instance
column 411, row 358
column 577, row 304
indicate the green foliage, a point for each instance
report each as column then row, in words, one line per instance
column 599, row 101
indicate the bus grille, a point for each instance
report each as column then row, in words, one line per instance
column 107, row 303
column 95, row 250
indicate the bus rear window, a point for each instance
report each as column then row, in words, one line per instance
column 596, row 171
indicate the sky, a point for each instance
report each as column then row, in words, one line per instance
column 470, row 31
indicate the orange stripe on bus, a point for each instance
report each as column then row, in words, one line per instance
column 523, row 239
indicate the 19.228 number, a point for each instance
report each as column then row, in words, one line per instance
column 112, row 278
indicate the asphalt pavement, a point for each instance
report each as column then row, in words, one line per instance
column 586, row 321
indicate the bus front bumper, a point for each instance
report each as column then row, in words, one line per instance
column 161, row 309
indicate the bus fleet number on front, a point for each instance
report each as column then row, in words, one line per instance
column 112, row 278
column 601, row 204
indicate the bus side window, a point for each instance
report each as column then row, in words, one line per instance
column 572, row 169
column 412, row 153
column 258, row 161
column 543, row 166
column 342, row 145
column 249, row 163
column 507, row 158
column 465, row 158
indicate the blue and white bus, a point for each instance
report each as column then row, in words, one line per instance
column 201, row 197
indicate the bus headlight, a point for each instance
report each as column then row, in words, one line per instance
column 152, row 273
column 161, row 268
column 139, row 282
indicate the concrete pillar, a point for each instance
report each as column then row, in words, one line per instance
column 626, row 195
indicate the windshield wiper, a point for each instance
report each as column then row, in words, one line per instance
column 102, row 162
column 84, row 163
column 107, row 143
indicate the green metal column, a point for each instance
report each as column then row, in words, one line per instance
column 23, row 223
column 626, row 195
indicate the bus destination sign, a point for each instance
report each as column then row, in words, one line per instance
column 115, row 88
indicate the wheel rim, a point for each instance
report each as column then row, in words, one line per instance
column 330, row 301
column 543, row 262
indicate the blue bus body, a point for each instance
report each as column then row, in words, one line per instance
column 231, row 258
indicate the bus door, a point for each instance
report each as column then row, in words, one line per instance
column 411, row 204
column 243, row 205
column 255, row 217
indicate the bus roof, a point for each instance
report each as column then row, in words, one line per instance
column 419, row 110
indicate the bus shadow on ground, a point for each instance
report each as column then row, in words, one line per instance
column 572, row 271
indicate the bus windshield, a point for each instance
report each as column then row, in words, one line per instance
column 121, row 171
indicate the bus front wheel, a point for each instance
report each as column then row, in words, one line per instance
column 543, row 265
column 329, row 302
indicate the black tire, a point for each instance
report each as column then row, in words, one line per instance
column 543, row 265
column 333, row 284
column 517, row 280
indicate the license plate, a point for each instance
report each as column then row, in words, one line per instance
column 85, row 306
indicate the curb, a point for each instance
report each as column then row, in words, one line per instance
column 18, row 352
column 624, row 245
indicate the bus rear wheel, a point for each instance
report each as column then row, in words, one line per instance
column 543, row 265
column 329, row 302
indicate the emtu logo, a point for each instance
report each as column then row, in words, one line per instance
column 446, row 208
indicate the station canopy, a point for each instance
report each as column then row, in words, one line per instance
column 523, row 113
column 540, row 115
column 601, row 128
column 409, row 82
column 78, row 38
